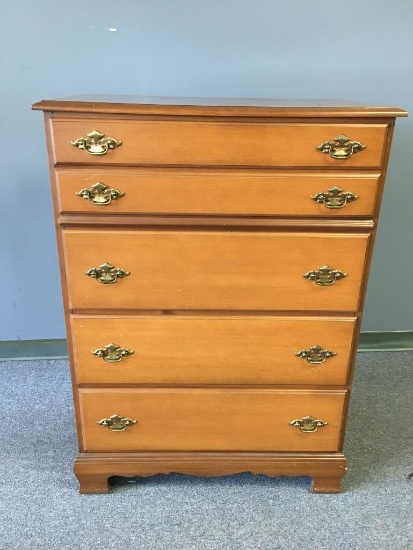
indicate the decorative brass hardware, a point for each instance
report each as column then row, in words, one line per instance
column 308, row 424
column 341, row 147
column 107, row 273
column 112, row 353
column 315, row 355
column 335, row 197
column 100, row 194
column 96, row 143
column 325, row 275
column 116, row 423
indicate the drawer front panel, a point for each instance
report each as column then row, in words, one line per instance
column 221, row 192
column 197, row 143
column 207, row 270
column 212, row 350
column 210, row 420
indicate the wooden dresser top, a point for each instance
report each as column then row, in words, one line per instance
column 199, row 106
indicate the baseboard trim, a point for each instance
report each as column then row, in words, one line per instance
column 20, row 350
column 56, row 348
column 386, row 341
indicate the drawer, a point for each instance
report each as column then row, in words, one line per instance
column 216, row 143
column 210, row 270
column 189, row 350
column 210, row 420
column 222, row 192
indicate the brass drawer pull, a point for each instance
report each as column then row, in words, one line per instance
column 112, row 353
column 96, row 143
column 107, row 273
column 325, row 275
column 308, row 424
column 341, row 147
column 316, row 355
column 335, row 197
column 116, row 423
column 100, row 194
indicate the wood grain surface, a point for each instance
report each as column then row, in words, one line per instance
column 209, row 143
column 216, row 192
column 211, row 419
column 212, row 350
column 217, row 228
column 214, row 270
column 210, row 106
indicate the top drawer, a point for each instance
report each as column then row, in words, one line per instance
column 217, row 143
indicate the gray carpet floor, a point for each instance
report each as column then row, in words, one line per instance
column 41, row 509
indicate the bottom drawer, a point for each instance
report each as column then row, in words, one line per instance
column 211, row 419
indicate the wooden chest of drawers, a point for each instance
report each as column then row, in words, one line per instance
column 214, row 259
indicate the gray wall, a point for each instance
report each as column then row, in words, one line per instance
column 360, row 50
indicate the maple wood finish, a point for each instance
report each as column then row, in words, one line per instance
column 252, row 192
column 185, row 350
column 214, row 270
column 211, row 419
column 219, row 346
column 217, row 143
column 326, row 469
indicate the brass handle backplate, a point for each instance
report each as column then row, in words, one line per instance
column 96, row 143
column 100, row 194
column 325, row 275
column 116, row 423
column 335, row 197
column 107, row 273
column 308, row 424
column 341, row 147
column 112, row 353
column 316, row 355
